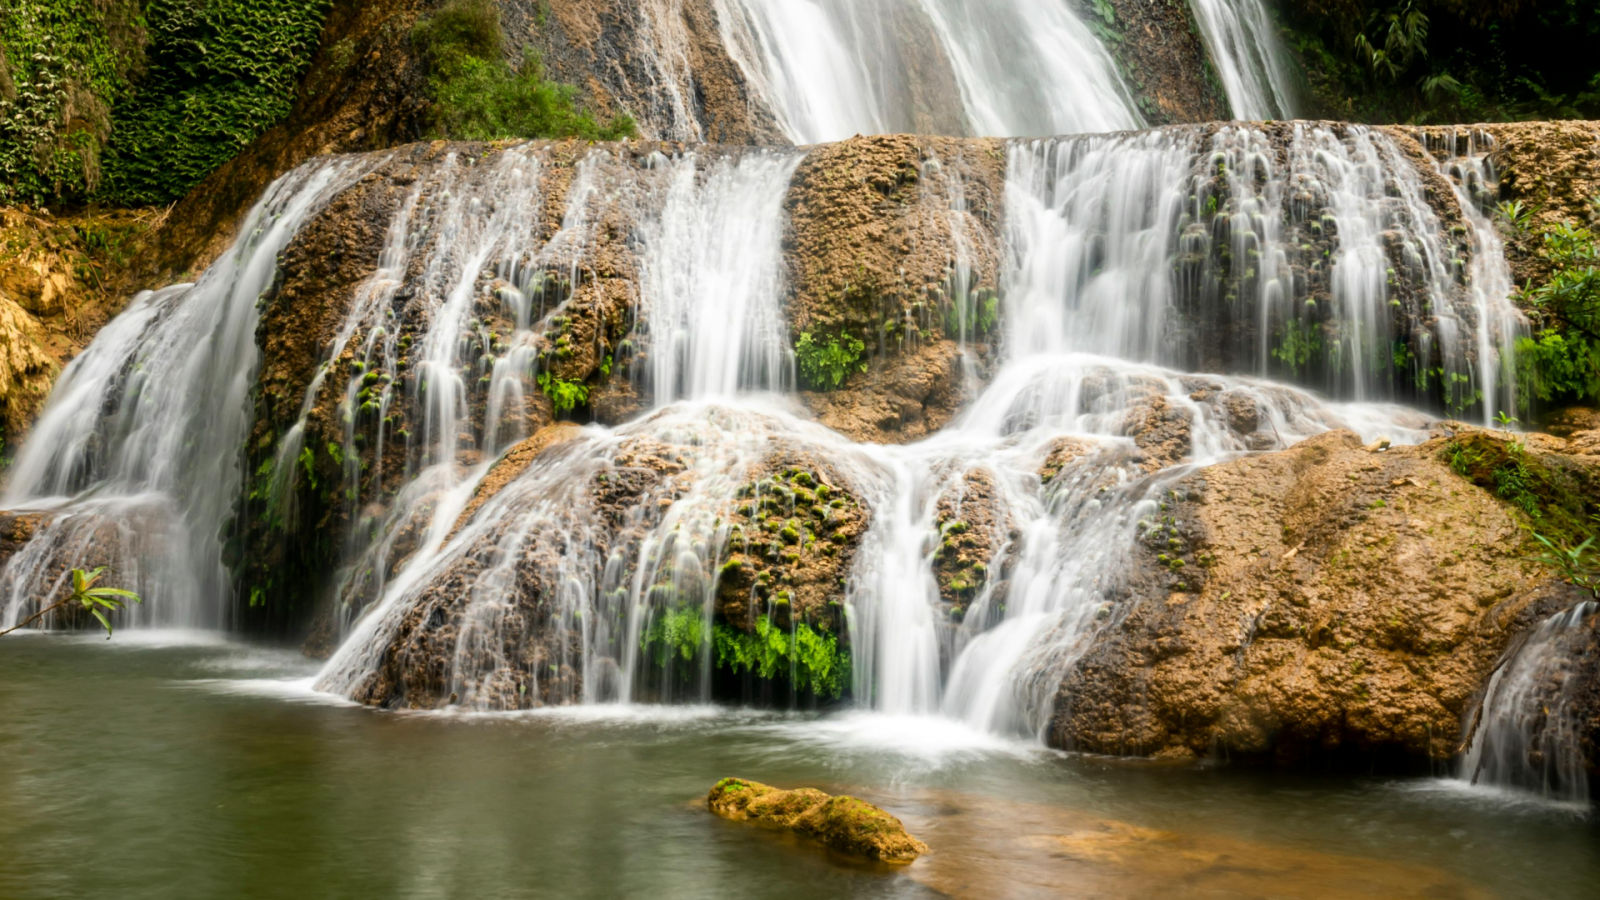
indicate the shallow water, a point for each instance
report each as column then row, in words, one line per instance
column 155, row 765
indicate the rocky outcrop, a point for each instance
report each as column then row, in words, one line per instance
column 1551, row 169
column 894, row 243
column 846, row 824
column 61, row 279
column 769, row 558
column 661, row 62
column 1330, row 602
column 1159, row 52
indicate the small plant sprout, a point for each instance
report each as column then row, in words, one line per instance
column 87, row 592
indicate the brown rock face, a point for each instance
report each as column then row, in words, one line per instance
column 774, row 548
column 1324, row 602
column 664, row 63
column 841, row 823
column 894, row 242
column 1162, row 59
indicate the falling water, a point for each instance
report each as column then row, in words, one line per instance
column 829, row 69
column 1169, row 298
column 1244, row 48
column 1528, row 730
column 707, row 238
column 135, row 461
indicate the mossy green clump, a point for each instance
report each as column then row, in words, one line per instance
column 824, row 364
column 1555, row 503
column 477, row 95
column 809, row 659
column 843, row 823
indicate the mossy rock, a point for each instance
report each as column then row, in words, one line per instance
column 846, row 824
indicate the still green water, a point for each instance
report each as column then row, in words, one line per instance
column 141, row 768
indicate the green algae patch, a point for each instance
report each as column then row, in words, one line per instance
column 846, row 824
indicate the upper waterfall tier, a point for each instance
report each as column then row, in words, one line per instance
column 810, row 71
column 436, row 305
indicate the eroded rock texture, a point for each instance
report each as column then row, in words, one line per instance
column 1327, row 602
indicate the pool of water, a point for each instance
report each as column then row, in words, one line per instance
column 161, row 765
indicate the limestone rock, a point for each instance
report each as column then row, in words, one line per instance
column 841, row 823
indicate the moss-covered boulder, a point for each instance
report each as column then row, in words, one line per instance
column 843, row 823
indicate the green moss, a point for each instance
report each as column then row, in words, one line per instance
column 812, row 659
column 824, row 366
column 565, row 396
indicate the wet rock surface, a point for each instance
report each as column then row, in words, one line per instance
column 845, row 824
column 1333, row 602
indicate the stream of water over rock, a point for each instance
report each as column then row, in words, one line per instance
column 1220, row 291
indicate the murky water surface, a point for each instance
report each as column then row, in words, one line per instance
column 153, row 766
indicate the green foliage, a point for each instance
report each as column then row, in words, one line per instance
column 1562, row 363
column 813, row 658
column 810, row 659
column 478, row 96
column 1572, row 292
column 63, row 64
column 823, row 367
column 96, row 599
column 1393, row 39
column 677, row 632
column 1446, row 60
column 564, row 395
column 221, row 73
column 1578, row 563
column 88, row 593
column 1299, row 342
column 1516, row 214
column 1557, row 368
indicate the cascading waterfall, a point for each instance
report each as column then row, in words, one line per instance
column 707, row 238
column 829, row 69
column 1244, row 47
column 1527, row 731
column 1167, row 299
column 134, row 462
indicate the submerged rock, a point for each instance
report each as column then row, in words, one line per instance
column 841, row 823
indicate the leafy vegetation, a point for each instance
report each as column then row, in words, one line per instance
column 1560, row 364
column 809, row 659
column 1447, row 60
column 1578, row 563
column 221, row 72
column 812, row 659
column 565, row 396
column 88, row 593
column 134, row 102
column 477, row 95
column 823, row 367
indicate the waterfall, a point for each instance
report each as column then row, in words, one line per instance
column 1244, row 48
column 829, row 69
column 1528, row 730
column 135, row 461
column 706, row 245
column 1167, row 299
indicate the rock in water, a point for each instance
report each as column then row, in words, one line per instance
column 842, row 823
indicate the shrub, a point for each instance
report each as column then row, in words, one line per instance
column 476, row 95
column 221, row 73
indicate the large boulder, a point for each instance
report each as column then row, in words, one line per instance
column 1332, row 602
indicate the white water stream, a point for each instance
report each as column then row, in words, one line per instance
column 1179, row 285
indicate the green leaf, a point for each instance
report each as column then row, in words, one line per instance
column 103, row 621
